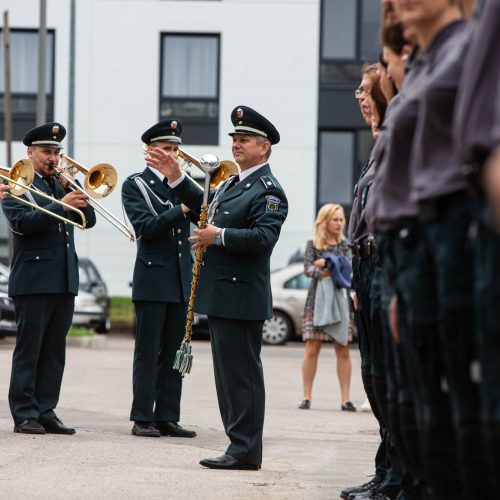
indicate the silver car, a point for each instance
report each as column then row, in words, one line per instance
column 289, row 287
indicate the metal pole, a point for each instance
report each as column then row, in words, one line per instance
column 6, row 91
column 71, row 104
column 7, row 109
column 41, row 104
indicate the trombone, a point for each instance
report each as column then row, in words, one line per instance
column 225, row 170
column 20, row 178
column 100, row 180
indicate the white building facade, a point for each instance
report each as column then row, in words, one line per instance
column 260, row 53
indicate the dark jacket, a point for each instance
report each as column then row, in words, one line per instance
column 235, row 278
column 163, row 265
column 44, row 259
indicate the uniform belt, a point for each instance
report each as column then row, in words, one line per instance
column 364, row 249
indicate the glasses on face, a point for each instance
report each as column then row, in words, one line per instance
column 360, row 92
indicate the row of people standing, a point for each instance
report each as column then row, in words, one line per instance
column 429, row 252
column 245, row 218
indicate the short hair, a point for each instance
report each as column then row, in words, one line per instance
column 262, row 140
column 392, row 37
column 368, row 68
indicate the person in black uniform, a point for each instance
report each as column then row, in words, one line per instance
column 160, row 289
column 245, row 219
column 477, row 137
column 43, row 283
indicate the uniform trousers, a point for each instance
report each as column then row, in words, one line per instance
column 239, row 382
column 362, row 269
column 384, row 381
column 487, row 300
column 43, row 320
column 156, row 385
column 402, row 419
column 437, row 291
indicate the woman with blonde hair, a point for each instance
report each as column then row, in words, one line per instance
column 328, row 237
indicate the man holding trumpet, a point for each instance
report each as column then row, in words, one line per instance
column 43, row 283
column 234, row 290
column 160, row 289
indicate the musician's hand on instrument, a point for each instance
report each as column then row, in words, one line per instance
column 76, row 199
column 66, row 180
column 4, row 191
column 164, row 162
column 204, row 237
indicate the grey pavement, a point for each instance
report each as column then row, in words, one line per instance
column 308, row 454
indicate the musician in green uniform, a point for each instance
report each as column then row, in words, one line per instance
column 244, row 223
column 43, row 283
column 160, row 289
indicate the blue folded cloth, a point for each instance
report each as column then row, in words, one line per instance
column 340, row 267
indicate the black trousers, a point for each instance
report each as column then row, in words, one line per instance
column 43, row 320
column 487, row 300
column 437, row 293
column 239, row 382
column 156, row 385
column 362, row 270
column 401, row 417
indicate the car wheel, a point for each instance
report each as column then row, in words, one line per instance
column 277, row 330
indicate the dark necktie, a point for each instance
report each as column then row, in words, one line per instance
column 165, row 182
column 51, row 182
column 233, row 182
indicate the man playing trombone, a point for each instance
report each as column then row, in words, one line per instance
column 245, row 219
column 160, row 289
column 43, row 283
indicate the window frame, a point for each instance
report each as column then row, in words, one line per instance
column 204, row 121
column 49, row 94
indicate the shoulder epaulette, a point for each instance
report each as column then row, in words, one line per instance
column 133, row 176
column 268, row 181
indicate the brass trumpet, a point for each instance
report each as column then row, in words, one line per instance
column 20, row 178
column 100, row 180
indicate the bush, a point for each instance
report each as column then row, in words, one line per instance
column 78, row 331
column 122, row 313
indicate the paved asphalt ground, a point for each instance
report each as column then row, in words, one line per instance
column 308, row 454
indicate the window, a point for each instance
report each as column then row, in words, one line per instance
column 189, row 87
column 349, row 31
column 342, row 155
column 299, row 282
column 24, row 80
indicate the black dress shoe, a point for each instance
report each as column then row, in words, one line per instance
column 348, row 406
column 55, row 426
column 29, row 426
column 227, row 462
column 305, row 404
column 145, row 429
column 174, row 429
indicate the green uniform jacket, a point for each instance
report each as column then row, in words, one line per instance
column 235, row 278
column 44, row 258
column 163, row 265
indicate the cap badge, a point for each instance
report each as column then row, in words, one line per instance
column 239, row 113
column 55, row 130
column 174, row 124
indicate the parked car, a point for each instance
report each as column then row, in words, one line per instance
column 289, row 287
column 7, row 316
column 88, row 312
column 92, row 283
column 91, row 303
